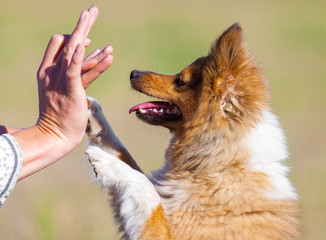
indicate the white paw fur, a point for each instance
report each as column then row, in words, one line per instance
column 135, row 196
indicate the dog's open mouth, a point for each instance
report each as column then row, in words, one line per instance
column 157, row 112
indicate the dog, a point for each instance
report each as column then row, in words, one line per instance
column 224, row 176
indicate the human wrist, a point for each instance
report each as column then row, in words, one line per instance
column 55, row 140
column 61, row 131
column 40, row 149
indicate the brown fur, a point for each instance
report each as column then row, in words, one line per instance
column 207, row 153
column 207, row 192
column 156, row 226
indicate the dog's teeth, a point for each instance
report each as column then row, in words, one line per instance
column 142, row 110
column 168, row 111
column 175, row 110
column 161, row 110
column 155, row 110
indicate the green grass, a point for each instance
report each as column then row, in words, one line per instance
column 287, row 37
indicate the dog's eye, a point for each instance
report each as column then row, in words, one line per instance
column 179, row 82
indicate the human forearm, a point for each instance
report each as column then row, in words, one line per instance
column 39, row 149
column 6, row 129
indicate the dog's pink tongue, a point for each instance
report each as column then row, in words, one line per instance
column 148, row 105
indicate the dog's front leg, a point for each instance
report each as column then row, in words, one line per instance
column 136, row 203
column 101, row 134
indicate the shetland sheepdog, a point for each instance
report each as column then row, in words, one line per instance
column 224, row 175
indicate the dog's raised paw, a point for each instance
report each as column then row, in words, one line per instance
column 94, row 153
column 95, row 118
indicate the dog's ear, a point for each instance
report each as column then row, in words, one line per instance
column 237, row 80
column 228, row 51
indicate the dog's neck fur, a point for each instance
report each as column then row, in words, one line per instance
column 232, row 180
column 217, row 143
column 209, row 148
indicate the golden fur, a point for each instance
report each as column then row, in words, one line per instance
column 206, row 190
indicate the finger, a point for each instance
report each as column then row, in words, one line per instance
column 77, row 37
column 87, row 42
column 52, row 51
column 93, row 74
column 74, row 69
column 106, row 51
column 89, row 62
column 99, row 55
column 95, row 57
column 88, row 65
column 93, row 54
column 93, row 11
column 59, row 56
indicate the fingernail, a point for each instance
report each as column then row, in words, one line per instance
column 87, row 41
column 92, row 9
column 82, row 15
column 107, row 47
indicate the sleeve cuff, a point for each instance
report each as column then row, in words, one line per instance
column 11, row 160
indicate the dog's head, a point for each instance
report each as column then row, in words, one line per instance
column 225, row 86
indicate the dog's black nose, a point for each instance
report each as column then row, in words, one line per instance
column 134, row 74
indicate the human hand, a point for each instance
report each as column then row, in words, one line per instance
column 95, row 64
column 62, row 77
column 92, row 67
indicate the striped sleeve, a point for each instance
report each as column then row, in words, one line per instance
column 11, row 160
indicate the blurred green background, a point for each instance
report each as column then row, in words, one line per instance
column 287, row 37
